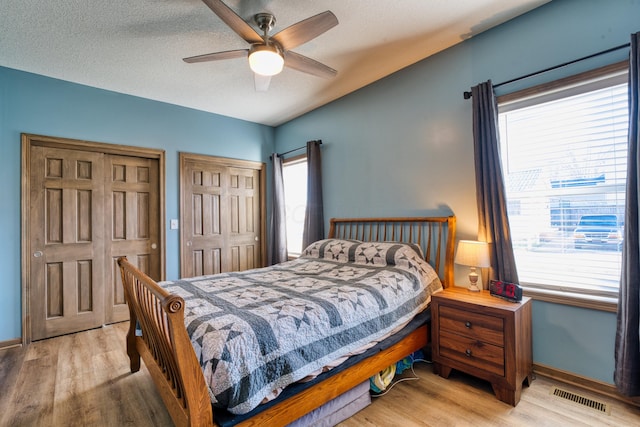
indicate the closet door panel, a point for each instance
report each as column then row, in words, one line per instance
column 133, row 224
column 66, row 241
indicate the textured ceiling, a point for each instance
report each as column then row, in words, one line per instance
column 136, row 47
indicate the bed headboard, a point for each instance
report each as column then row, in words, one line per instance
column 435, row 235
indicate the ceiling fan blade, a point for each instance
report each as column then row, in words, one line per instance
column 305, row 30
column 217, row 56
column 308, row 65
column 235, row 22
column 261, row 82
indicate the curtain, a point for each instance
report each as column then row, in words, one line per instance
column 313, row 217
column 277, row 224
column 627, row 350
column 493, row 224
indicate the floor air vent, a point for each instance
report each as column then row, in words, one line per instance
column 581, row 400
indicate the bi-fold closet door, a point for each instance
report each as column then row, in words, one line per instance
column 84, row 205
column 222, row 212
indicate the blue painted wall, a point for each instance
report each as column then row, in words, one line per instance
column 404, row 145
column 39, row 105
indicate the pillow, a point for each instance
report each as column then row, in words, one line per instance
column 332, row 249
column 404, row 256
column 386, row 253
column 373, row 253
column 398, row 255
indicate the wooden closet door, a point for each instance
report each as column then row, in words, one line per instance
column 67, row 241
column 203, row 218
column 84, row 204
column 133, row 225
column 243, row 241
column 221, row 215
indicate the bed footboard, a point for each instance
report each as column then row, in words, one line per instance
column 165, row 347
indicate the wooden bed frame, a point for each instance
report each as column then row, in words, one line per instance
column 165, row 347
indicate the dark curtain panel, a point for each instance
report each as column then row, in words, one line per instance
column 277, row 223
column 627, row 352
column 493, row 224
column 313, row 217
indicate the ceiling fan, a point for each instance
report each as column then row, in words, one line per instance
column 269, row 54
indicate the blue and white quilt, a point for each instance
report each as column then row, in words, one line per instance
column 259, row 330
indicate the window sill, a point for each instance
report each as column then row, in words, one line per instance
column 592, row 302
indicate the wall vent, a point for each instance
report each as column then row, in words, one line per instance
column 582, row 400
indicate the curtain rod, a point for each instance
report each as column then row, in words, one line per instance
column 467, row 95
column 295, row 149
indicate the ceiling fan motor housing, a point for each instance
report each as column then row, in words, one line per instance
column 265, row 22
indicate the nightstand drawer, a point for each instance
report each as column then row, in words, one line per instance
column 489, row 329
column 472, row 352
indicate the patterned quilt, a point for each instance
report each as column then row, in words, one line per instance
column 259, row 330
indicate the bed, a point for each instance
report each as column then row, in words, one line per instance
column 159, row 335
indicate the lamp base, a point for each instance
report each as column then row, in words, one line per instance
column 473, row 280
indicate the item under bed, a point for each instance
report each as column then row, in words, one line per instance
column 338, row 409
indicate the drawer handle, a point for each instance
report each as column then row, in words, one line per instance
column 467, row 324
column 468, row 352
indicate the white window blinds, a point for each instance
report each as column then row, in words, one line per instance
column 564, row 157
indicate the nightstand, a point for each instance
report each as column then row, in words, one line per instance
column 484, row 336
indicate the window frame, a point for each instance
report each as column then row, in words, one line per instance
column 593, row 79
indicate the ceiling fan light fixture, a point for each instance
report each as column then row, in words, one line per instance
column 265, row 60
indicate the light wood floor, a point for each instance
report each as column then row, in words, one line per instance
column 83, row 380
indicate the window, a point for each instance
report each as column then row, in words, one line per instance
column 564, row 159
column 294, row 174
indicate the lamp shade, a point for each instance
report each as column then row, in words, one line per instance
column 265, row 60
column 472, row 253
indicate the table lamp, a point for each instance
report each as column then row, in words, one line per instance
column 474, row 254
